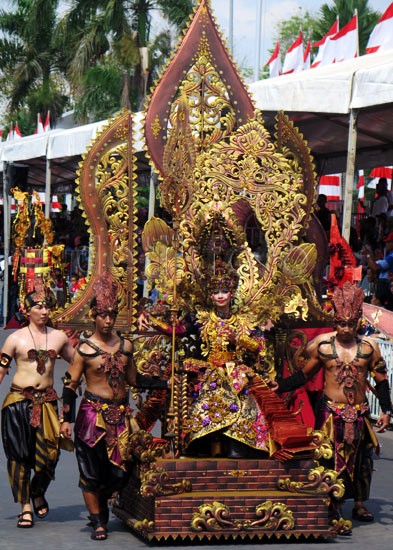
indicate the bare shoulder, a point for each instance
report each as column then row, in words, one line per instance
column 371, row 342
column 318, row 340
column 57, row 336
column 127, row 346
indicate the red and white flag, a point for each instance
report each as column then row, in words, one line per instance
column 380, row 172
column 346, row 41
column 361, row 209
column 40, row 126
column 10, row 135
column 294, row 60
column 381, row 39
column 47, row 122
column 321, row 45
column 330, row 186
column 274, row 62
column 307, row 56
column 17, row 132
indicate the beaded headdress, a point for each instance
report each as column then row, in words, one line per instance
column 40, row 295
column 347, row 302
column 105, row 296
column 224, row 278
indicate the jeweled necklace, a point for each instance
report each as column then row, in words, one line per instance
column 39, row 355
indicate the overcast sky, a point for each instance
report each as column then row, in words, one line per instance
column 244, row 28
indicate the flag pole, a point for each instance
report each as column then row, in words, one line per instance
column 258, row 40
column 231, row 26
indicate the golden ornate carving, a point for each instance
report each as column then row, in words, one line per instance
column 155, row 483
column 321, row 481
column 215, row 516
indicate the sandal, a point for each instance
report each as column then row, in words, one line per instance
column 25, row 523
column 41, row 510
column 99, row 530
column 360, row 513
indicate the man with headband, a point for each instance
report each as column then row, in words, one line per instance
column 104, row 419
column 343, row 413
column 29, row 422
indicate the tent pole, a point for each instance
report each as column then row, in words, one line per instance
column 7, row 236
column 349, row 174
column 48, row 202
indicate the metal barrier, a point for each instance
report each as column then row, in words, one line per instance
column 386, row 347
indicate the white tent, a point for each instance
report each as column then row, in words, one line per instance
column 344, row 111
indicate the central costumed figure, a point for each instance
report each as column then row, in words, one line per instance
column 224, row 412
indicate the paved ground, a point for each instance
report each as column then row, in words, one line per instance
column 65, row 527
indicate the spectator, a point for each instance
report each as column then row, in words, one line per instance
column 385, row 265
column 323, row 214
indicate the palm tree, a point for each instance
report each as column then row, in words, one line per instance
column 111, row 40
column 30, row 77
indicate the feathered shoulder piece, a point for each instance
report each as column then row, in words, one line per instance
column 347, row 302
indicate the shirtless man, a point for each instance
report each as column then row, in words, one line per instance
column 104, row 418
column 30, row 425
column 347, row 360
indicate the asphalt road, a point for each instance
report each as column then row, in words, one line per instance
column 65, row 526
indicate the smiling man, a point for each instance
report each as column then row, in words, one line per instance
column 30, row 425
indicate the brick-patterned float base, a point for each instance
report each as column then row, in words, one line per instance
column 226, row 498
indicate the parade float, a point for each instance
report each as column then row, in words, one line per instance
column 231, row 195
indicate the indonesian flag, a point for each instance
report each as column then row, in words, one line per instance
column 381, row 39
column 47, row 122
column 380, row 172
column 318, row 59
column 346, row 41
column 330, row 186
column 55, row 205
column 275, row 62
column 40, row 126
column 294, row 60
column 17, row 132
column 10, row 135
column 307, row 56
column 360, row 210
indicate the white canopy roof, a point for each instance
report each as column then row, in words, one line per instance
column 319, row 102
column 357, row 83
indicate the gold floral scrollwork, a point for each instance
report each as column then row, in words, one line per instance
column 144, row 526
column 321, row 481
column 323, row 444
column 155, row 483
column 272, row 517
column 156, row 127
column 213, row 517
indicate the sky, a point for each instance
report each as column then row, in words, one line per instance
column 245, row 26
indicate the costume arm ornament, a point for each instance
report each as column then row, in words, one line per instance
column 383, row 394
column 5, row 360
column 150, row 382
column 293, row 382
column 380, row 367
column 248, row 343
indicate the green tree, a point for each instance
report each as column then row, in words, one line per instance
column 30, row 75
column 288, row 29
column 112, row 40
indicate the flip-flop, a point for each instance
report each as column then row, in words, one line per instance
column 41, row 510
column 25, row 523
column 360, row 513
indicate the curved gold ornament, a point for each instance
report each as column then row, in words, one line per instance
column 108, row 198
column 270, row 516
column 321, row 481
column 155, row 483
